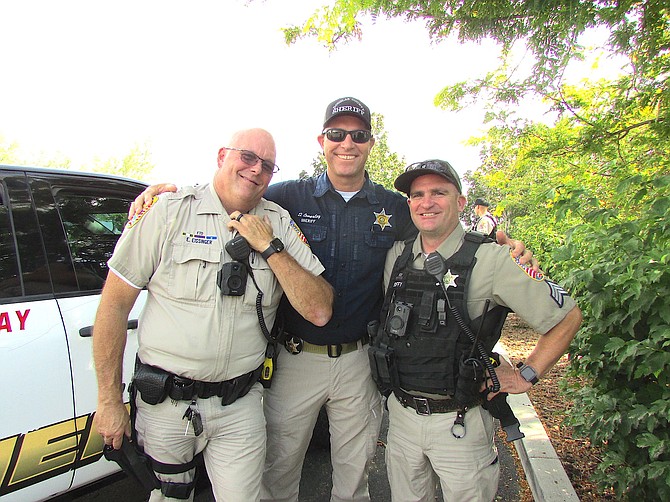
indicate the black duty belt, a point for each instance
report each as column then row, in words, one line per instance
column 334, row 350
column 428, row 406
column 229, row 390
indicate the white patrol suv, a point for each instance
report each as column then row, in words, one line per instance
column 57, row 231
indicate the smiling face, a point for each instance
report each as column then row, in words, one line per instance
column 239, row 185
column 346, row 160
column 434, row 204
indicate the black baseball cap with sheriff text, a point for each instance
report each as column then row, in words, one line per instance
column 348, row 106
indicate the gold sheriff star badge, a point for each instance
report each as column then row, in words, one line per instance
column 382, row 219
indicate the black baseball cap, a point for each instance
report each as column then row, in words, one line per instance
column 434, row 166
column 481, row 202
column 348, row 106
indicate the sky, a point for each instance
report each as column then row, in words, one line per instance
column 86, row 79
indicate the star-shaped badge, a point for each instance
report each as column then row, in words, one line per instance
column 449, row 279
column 382, row 219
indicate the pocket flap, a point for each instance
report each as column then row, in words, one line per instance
column 183, row 254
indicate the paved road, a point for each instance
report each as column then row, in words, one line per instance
column 315, row 485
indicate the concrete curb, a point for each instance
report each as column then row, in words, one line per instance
column 544, row 471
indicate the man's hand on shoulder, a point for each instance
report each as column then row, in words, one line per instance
column 145, row 197
column 518, row 250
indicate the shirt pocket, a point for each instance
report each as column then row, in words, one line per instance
column 266, row 281
column 382, row 240
column 193, row 273
column 315, row 233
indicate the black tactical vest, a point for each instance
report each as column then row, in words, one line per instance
column 420, row 342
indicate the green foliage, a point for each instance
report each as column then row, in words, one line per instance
column 137, row 164
column 617, row 263
column 13, row 154
column 383, row 165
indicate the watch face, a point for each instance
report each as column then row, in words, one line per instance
column 529, row 374
column 277, row 244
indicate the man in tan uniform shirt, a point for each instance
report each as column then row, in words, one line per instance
column 420, row 444
column 192, row 331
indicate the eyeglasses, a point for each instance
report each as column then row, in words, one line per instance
column 339, row 135
column 251, row 159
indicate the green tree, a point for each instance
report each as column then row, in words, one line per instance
column 136, row 164
column 12, row 153
column 590, row 193
column 382, row 165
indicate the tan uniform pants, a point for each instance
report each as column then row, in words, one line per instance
column 421, row 448
column 301, row 385
column 232, row 442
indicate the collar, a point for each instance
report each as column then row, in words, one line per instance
column 448, row 246
column 323, row 185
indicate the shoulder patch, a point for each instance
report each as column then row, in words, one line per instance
column 145, row 209
column 297, row 230
column 557, row 293
column 528, row 270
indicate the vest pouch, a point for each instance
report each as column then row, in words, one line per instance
column 151, row 382
column 470, row 378
column 382, row 365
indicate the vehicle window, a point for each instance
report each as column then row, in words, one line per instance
column 93, row 223
column 30, row 275
column 10, row 285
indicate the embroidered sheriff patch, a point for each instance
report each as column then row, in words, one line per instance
column 528, row 270
column 382, row 219
column 297, row 230
column 138, row 216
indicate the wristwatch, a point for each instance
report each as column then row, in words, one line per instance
column 276, row 246
column 528, row 373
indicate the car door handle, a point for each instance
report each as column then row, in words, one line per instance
column 87, row 331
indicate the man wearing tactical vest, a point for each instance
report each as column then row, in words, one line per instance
column 447, row 295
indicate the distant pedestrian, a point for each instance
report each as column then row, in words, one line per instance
column 487, row 223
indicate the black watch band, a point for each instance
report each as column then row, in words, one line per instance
column 528, row 373
column 276, row 246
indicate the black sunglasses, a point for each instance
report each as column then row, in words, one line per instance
column 339, row 135
column 251, row 159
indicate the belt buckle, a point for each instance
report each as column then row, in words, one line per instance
column 421, row 406
column 335, row 350
column 293, row 345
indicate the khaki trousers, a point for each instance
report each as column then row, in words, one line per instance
column 422, row 449
column 232, row 442
column 301, row 385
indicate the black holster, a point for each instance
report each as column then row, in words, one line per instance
column 134, row 463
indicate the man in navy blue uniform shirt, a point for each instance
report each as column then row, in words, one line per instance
column 350, row 223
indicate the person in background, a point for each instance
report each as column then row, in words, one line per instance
column 201, row 342
column 486, row 223
column 447, row 295
column 351, row 223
